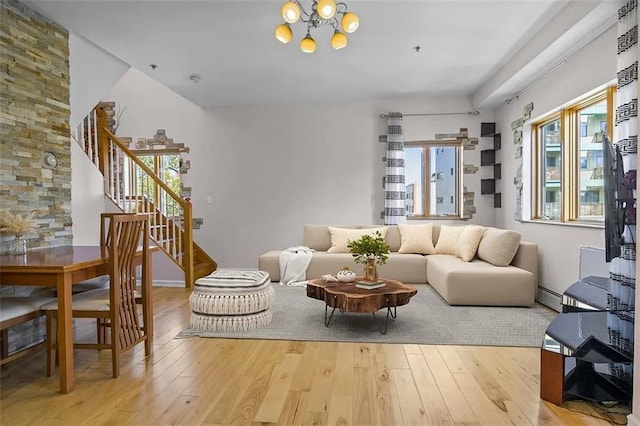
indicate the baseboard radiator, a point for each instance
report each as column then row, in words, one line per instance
column 549, row 298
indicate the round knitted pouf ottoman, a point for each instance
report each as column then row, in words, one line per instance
column 231, row 300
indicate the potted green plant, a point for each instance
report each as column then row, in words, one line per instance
column 370, row 250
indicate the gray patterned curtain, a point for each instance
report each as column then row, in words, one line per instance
column 394, row 188
column 621, row 297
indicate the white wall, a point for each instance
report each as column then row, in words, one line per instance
column 87, row 198
column 151, row 106
column 593, row 67
column 268, row 170
column 271, row 169
column 93, row 72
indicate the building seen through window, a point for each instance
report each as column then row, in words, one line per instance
column 593, row 120
column 552, row 168
column 410, row 200
column 568, row 162
column 433, row 187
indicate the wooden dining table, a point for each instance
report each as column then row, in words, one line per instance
column 60, row 267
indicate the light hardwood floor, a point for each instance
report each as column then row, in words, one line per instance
column 226, row 381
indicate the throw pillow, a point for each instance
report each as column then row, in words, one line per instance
column 392, row 238
column 468, row 242
column 416, row 238
column 448, row 239
column 317, row 237
column 340, row 237
column 499, row 246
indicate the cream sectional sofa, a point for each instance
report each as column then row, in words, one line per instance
column 459, row 283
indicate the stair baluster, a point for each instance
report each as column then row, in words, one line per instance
column 133, row 187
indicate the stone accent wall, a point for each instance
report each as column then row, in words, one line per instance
column 468, row 207
column 470, row 169
column 34, row 119
column 110, row 111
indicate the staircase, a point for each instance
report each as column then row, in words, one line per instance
column 134, row 188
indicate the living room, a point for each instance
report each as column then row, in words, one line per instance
column 287, row 164
column 299, row 158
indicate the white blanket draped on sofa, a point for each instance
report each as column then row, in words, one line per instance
column 294, row 262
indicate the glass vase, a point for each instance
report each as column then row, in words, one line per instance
column 371, row 270
column 19, row 245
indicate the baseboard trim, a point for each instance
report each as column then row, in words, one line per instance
column 164, row 283
column 549, row 298
column 168, row 283
column 633, row 420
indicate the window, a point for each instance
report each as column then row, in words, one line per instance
column 589, row 196
column 568, row 171
column 167, row 167
column 409, row 200
column 550, row 145
column 436, row 193
column 583, row 130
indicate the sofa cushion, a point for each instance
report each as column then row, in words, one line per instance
column 416, row 238
column 330, row 263
column 270, row 263
column 321, row 263
column 436, row 233
column 527, row 258
column 340, row 237
column 448, row 239
column 318, row 237
column 479, row 282
column 392, row 238
column 499, row 246
column 408, row 268
column 468, row 242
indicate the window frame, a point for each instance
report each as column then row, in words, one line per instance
column 426, row 187
column 570, row 157
column 540, row 159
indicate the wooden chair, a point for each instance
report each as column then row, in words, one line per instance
column 15, row 311
column 115, row 308
column 101, row 282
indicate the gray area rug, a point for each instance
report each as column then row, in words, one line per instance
column 427, row 319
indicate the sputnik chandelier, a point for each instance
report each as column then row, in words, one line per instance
column 323, row 13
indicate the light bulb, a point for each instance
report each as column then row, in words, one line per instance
column 290, row 12
column 307, row 44
column 326, row 9
column 284, row 33
column 350, row 22
column 338, row 40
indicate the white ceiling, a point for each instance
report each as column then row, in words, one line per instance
column 230, row 44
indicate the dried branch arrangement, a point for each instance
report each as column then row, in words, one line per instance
column 16, row 224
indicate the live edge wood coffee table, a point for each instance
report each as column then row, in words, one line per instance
column 348, row 298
